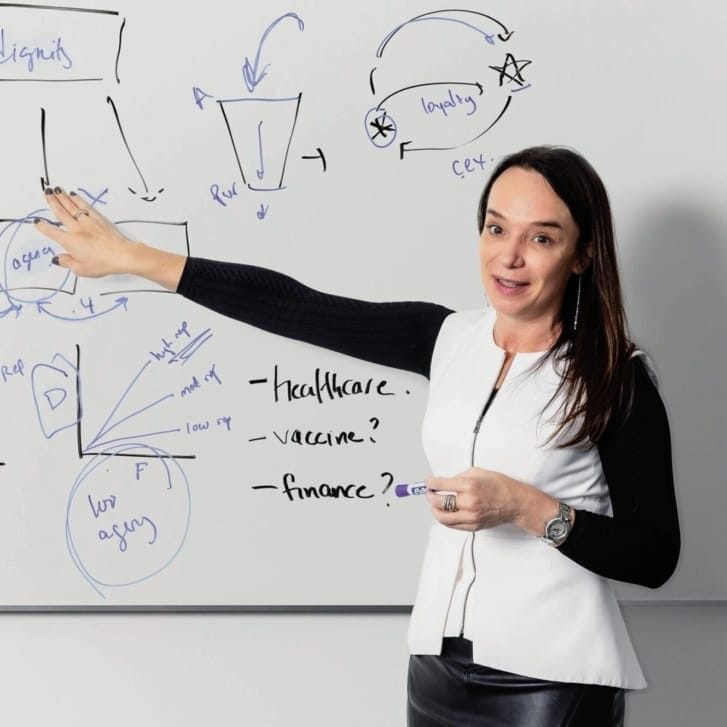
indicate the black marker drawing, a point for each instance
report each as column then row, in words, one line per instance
column 148, row 196
column 30, row 284
column 435, row 114
column 51, row 44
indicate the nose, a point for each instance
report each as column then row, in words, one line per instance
column 512, row 252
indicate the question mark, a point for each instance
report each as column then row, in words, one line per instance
column 374, row 423
column 390, row 477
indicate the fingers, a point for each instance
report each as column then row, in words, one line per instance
column 450, row 484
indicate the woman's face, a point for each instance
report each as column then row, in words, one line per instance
column 527, row 247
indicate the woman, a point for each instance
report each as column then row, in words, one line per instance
column 549, row 440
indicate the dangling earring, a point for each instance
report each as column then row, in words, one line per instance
column 578, row 305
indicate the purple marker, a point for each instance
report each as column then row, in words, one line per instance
column 415, row 488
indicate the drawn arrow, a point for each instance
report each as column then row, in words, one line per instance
column 260, row 171
column 477, row 84
column 250, row 71
column 405, row 149
column 42, row 307
column 320, row 155
column 146, row 196
column 12, row 308
column 504, row 36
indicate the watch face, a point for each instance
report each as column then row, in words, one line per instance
column 557, row 529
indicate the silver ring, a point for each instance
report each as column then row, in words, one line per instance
column 79, row 213
column 449, row 503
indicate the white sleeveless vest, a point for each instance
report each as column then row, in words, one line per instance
column 531, row 610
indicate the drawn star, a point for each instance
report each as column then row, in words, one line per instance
column 512, row 69
column 383, row 126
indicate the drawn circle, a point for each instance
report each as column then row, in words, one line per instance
column 127, row 516
column 380, row 127
column 15, row 278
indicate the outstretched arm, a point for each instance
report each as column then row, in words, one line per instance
column 398, row 334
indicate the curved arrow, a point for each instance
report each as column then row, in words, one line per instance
column 42, row 307
column 504, row 36
column 404, row 144
column 11, row 309
column 250, row 70
column 477, row 84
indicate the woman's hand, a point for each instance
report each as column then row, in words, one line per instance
column 485, row 498
column 95, row 247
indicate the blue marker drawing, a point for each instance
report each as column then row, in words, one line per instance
column 106, row 427
column 51, row 383
column 504, row 36
column 124, row 528
column 244, row 118
column 43, row 305
column 469, row 115
column 260, row 171
column 250, row 71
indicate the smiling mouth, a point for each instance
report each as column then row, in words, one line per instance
column 509, row 283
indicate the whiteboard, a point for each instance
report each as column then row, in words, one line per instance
column 157, row 454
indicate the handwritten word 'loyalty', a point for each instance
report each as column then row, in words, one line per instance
column 452, row 102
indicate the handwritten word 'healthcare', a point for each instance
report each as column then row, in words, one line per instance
column 326, row 386
column 294, row 492
column 127, row 527
column 452, row 102
column 30, row 56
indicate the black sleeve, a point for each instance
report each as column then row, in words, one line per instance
column 641, row 542
column 401, row 335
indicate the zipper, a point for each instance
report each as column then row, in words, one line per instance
column 475, row 432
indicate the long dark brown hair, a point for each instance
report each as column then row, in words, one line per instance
column 597, row 380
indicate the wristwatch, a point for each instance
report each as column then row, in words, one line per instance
column 558, row 528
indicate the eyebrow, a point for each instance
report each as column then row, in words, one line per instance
column 541, row 223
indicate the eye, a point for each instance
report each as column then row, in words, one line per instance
column 542, row 239
column 494, row 229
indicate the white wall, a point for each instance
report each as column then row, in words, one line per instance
column 296, row 670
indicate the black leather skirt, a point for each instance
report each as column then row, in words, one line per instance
column 450, row 691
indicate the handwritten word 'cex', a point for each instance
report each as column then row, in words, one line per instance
column 463, row 167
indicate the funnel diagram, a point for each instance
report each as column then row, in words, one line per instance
column 261, row 127
column 443, row 113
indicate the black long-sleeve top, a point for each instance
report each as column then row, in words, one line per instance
column 639, row 544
